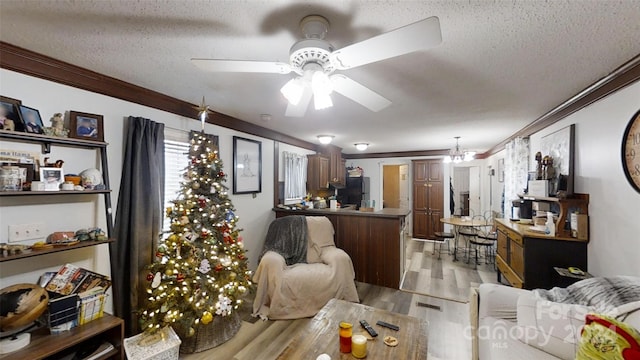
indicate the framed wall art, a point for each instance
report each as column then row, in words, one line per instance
column 31, row 120
column 86, row 126
column 247, row 166
column 560, row 146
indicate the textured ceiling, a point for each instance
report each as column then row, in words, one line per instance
column 501, row 64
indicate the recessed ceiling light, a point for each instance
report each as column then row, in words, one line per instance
column 361, row 146
column 325, row 139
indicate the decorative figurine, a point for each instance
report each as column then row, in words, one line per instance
column 57, row 126
column 539, row 167
column 91, row 179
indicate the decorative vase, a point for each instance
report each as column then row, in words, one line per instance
column 217, row 332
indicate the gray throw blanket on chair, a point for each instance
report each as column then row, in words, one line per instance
column 288, row 237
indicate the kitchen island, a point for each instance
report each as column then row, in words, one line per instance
column 373, row 240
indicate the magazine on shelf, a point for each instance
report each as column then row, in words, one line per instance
column 71, row 279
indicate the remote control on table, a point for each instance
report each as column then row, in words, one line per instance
column 368, row 327
column 387, row 325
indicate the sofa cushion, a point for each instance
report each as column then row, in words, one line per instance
column 497, row 342
column 604, row 337
column 549, row 326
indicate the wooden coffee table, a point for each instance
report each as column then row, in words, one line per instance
column 320, row 335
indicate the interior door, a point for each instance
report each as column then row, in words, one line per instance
column 391, row 186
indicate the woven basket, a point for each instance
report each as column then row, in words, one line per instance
column 217, row 332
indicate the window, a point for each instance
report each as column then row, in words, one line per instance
column 176, row 160
column 295, row 177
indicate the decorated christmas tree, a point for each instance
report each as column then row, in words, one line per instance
column 201, row 268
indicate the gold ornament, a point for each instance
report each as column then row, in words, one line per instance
column 195, row 185
column 168, row 272
column 206, row 318
column 191, row 331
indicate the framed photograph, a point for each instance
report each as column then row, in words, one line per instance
column 247, row 166
column 560, row 146
column 31, row 120
column 501, row 170
column 9, row 114
column 86, row 126
column 51, row 177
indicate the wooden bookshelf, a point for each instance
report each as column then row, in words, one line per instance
column 54, row 249
column 43, row 344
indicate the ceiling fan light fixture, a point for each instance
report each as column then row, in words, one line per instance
column 361, row 146
column 322, row 101
column 292, row 91
column 325, row 139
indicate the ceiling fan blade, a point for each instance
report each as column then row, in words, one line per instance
column 359, row 93
column 420, row 35
column 246, row 66
column 300, row 109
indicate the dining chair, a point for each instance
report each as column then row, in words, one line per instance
column 485, row 238
column 441, row 237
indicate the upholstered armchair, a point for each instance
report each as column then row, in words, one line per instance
column 301, row 269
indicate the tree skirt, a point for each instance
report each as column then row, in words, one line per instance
column 217, row 332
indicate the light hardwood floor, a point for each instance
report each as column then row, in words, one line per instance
column 263, row 340
column 443, row 278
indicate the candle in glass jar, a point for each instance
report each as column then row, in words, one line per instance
column 358, row 346
column 345, row 337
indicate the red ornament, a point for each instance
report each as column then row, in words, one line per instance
column 228, row 240
column 218, row 267
column 221, row 173
column 149, row 277
column 194, row 160
column 158, row 254
column 180, row 277
column 204, row 234
column 202, row 202
column 241, row 257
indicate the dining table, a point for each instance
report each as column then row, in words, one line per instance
column 459, row 222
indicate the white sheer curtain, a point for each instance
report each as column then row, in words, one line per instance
column 295, row 176
column 516, row 169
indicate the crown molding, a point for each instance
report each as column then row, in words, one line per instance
column 30, row 63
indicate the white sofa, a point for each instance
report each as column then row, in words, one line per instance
column 510, row 323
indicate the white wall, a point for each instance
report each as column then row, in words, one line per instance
column 614, row 206
column 71, row 213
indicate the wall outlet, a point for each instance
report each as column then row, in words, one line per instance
column 24, row 232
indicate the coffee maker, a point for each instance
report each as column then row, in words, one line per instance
column 522, row 209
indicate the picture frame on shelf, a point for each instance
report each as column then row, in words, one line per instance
column 10, row 114
column 247, row 166
column 31, row 120
column 86, row 126
column 52, row 178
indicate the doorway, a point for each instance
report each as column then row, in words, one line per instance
column 395, row 186
column 466, row 186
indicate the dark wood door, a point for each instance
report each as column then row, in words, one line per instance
column 428, row 198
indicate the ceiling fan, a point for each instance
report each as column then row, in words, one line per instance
column 315, row 60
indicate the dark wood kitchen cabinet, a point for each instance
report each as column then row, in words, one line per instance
column 317, row 172
column 428, row 198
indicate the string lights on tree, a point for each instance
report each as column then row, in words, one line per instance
column 201, row 269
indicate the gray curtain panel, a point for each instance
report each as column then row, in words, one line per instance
column 138, row 221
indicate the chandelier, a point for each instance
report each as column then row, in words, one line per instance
column 457, row 156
